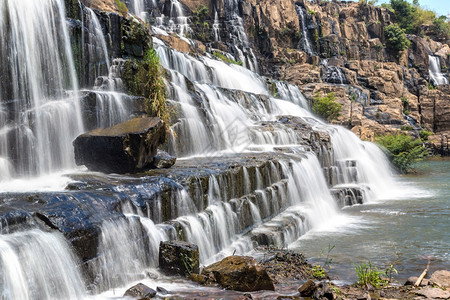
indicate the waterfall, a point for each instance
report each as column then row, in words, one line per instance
column 176, row 22
column 305, row 38
column 38, row 265
column 40, row 109
column 229, row 121
column 97, row 50
column 436, row 76
column 138, row 8
column 227, row 112
column 216, row 28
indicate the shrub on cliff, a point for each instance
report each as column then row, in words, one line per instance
column 396, row 38
column 326, row 106
column 404, row 150
column 123, row 10
column 145, row 78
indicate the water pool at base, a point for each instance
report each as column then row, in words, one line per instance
column 403, row 232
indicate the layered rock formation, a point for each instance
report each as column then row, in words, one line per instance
column 323, row 47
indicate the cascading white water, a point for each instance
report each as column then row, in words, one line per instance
column 305, row 38
column 216, row 28
column 38, row 265
column 176, row 22
column 39, row 117
column 435, row 73
column 138, row 8
column 238, row 36
column 97, row 49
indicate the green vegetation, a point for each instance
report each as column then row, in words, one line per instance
column 424, row 134
column 156, row 101
column 369, row 275
column 396, row 38
column 123, row 10
column 326, row 106
column 226, row 59
column 404, row 150
column 145, row 78
column 441, row 28
column 318, row 270
column 412, row 17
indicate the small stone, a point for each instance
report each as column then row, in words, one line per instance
column 162, row 290
column 163, row 160
column 140, row 291
column 411, row 280
column 307, row 289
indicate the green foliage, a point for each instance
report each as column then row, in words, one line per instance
column 390, row 271
column 431, row 87
column 404, row 14
column 327, row 107
column 441, row 28
column 406, row 127
column 318, row 272
column 226, row 59
column 404, row 150
column 396, row 38
column 424, row 134
column 369, row 275
column 311, row 12
column 123, row 10
column 156, row 101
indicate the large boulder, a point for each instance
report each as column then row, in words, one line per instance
column 178, row 258
column 124, row 148
column 240, row 273
column 140, row 291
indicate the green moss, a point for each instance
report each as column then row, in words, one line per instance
column 123, row 10
column 226, row 59
column 145, row 78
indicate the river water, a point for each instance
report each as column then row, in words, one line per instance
column 404, row 232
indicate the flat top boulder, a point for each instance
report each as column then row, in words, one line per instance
column 133, row 126
column 128, row 147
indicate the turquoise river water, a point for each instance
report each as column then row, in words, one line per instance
column 403, row 232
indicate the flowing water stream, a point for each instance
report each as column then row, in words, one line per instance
column 403, row 230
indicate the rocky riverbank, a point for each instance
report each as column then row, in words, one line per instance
column 285, row 274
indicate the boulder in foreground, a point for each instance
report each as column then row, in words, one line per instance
column 240, row 273
column 178, row 258
column 128, row 147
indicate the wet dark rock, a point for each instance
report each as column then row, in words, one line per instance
column 240, row 273
column 162, row 290
column 124, row 148
column 178, row 258
column 411, row 280
column 307, row 289
column 140, row 291
column 163, row 160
